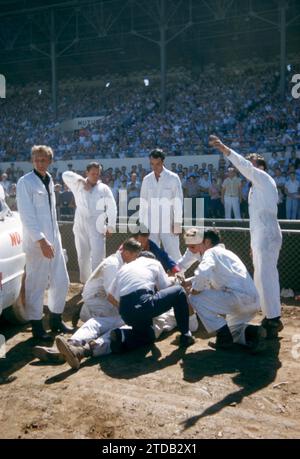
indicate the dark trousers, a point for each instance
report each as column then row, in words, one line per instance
column 139, row 308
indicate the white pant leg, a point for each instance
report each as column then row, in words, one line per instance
column 164, row 322
column 98, row 330
column 98, row 249
column 236, row 208
column 227, row 206
column 238, row 322
column 170, row 244
column 36, row 283
column 94, row 328
column 101, row 345
column 85, row 313
column 59, row 282
column 266, row 279
column 96, row 308
column 211, row 304
column 83, row 250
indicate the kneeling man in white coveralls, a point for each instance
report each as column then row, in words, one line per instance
column 94, row 204
column 45, row 263
column 224, row 296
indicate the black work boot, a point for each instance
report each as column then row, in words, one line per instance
column 255, row 336
column 72, row 353
column 116, row 344
column 48, row 354
column 272, row 327
column 186, row 341
column 224, row 339
column 38, row 331
column 57, row 325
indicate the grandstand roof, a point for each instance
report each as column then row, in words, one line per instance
column 100, row 36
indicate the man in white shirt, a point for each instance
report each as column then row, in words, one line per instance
column 94, row 204
column 292, row 196
column 45, row 263
column 231, row 194
column 265, row 233
column 224, row 296
column 161, row 205
column 134, row 292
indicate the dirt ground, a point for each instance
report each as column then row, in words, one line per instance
column 153, row 393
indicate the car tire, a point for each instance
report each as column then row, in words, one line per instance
column 15, row 314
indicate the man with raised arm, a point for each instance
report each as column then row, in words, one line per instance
column 265, row 232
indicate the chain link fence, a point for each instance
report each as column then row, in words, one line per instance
column 236, row 237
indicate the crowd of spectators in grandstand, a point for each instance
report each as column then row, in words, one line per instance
column 240, row 104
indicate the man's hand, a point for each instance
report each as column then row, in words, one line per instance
column 46, row 248
column 109, row 231
column 215, row 142
column 180, row 277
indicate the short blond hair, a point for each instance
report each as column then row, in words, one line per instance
column 42, row 150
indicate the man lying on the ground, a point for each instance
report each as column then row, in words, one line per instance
column 224, row 296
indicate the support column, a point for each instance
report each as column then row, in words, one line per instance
column 53, row 64
column 163, row 56
column 282, row 14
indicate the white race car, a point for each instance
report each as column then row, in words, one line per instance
column 12, row 264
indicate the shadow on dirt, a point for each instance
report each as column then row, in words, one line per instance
column 251, row 373
column 21, row 354
column 127, row 366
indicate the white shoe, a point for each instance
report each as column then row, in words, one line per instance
column 193, row 323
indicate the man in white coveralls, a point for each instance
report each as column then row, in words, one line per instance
column 224, row 296
column 265, row 233
column 45, row 263
column 161, row 205
column 94, row 204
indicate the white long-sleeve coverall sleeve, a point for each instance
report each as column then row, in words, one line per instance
column 28, row 212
